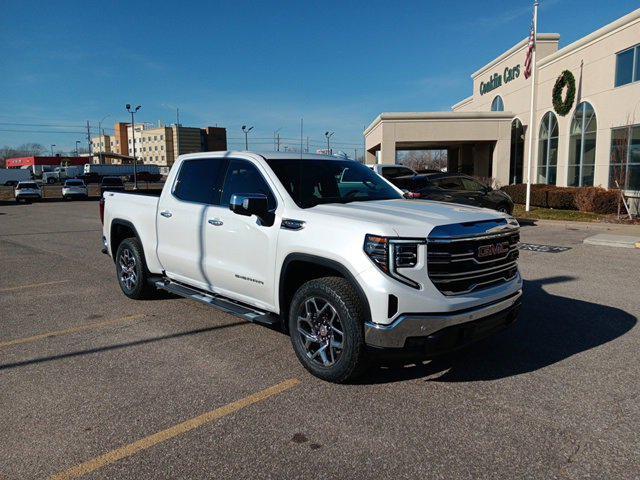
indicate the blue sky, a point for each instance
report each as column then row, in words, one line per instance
column 266, row 64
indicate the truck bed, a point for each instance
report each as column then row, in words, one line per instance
column 137, row 208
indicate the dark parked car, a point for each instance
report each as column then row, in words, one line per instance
column 111, row 184
column 457, row 188
column 446, row 187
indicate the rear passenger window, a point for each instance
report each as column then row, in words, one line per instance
column 198, row 180
column 244, row 177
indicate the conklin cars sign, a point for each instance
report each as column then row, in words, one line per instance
column 496, row 80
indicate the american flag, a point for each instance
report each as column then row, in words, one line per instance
column 530, row 49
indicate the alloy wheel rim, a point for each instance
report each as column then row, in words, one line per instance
column 128, row 275
column 321, row 331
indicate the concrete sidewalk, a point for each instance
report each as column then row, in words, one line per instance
column 611, row 240
column 610, row 228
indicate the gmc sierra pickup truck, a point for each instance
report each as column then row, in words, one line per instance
column 322, row 247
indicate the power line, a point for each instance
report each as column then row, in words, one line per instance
column 42, row 131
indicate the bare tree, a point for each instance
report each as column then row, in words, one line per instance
column 24, row 150
column 423, row 159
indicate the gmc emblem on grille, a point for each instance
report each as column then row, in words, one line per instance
column 493, row 250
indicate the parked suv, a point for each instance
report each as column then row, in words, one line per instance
column 111, row 184
column 74, row 189
column 27, row 191
column 323, row 247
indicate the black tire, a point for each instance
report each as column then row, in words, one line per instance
column 349, row 361
column 130, row 253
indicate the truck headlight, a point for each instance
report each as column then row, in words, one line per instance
column 391, row 253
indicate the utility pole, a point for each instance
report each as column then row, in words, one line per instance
column 307, row 144
column 133, row 141
column 278, row 142
column 52, row 145
column 177, row 116
column 100, row 135
column 89, row 140
column 77, row 153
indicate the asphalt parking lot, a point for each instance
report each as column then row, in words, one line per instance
column 95, row 385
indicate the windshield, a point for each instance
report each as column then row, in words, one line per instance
column 314, row 182
column 74, row 183
column 27, row 185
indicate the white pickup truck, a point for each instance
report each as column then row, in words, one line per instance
column 323, row 247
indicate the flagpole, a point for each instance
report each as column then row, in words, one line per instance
column 532, row 115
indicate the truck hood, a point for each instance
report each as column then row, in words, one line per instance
column 408, row 218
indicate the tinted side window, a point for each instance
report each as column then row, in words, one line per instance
column 449, row 183
column 244, row 177
column 402, row 171
column 389, row 172
column 198, row 180
column 472, row 185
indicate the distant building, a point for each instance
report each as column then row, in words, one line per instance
column 588, row 138
column 56, row 161
column 159, row 145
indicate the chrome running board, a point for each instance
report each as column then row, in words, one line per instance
column 224, row 304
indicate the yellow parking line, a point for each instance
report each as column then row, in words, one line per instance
column 169, row 433
column 32, row 285
column 67, row 331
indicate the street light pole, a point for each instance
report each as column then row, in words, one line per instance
column 133, row 142
column 329, row 135
column 52, row 145
column 246, row 136
column 77, row 153
column 276, row 140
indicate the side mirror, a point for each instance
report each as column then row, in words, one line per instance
column 248, row 204
column 407, row 194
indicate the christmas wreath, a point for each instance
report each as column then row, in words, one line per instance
column 560, row 105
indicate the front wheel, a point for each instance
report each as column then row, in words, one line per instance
column 326, row 326
column 131, row 270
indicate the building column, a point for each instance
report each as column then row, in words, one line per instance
column 388, row 152
column 502, row 161
column 370, row 157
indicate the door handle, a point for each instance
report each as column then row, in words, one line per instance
column 215, row 222
column 166, row 213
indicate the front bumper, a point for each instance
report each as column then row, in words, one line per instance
column 425, row 330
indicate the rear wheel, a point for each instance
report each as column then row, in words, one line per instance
column 131, row 270
column 325, row 324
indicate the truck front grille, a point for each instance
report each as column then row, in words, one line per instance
column 460, row 264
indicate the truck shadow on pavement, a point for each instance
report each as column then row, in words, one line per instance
column 550, row 329
column 120, row 346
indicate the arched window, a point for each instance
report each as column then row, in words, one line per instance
column 582, row 146
column 497, row 105
column 548, row 149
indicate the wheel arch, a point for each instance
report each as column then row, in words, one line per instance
column 295, row 272
column 119, row 230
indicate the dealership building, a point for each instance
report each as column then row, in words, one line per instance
column 593, row 140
